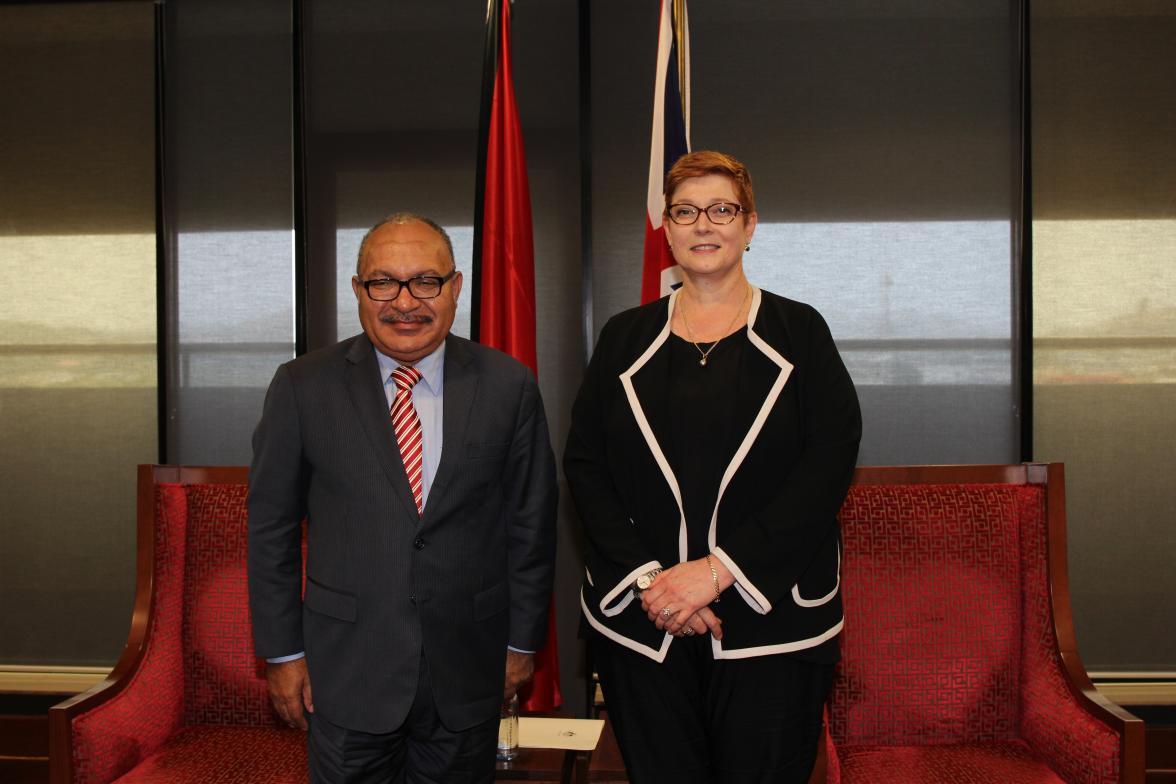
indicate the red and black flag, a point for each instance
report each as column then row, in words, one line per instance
column 503, row 312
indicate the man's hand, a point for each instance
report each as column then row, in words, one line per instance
column 289, row 690
column 520, row 667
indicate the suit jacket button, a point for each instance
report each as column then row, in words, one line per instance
column 419, row 543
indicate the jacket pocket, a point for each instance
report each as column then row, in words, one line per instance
column 490, row 602
column 323, row 600
column 820, row 583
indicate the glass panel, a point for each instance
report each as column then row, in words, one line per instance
column 374, row 150
column 231, row 302
column 1104, row 313
column 78, row 403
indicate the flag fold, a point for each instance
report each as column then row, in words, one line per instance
column 669, row 140
column 504, row 267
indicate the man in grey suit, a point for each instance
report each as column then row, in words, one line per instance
column 430, row 539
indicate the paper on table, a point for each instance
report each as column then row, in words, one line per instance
column 574, row 734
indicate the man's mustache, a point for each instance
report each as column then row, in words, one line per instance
column 405, row 318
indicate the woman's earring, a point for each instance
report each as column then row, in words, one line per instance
column 747, row 247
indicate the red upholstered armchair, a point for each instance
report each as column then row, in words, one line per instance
column 959, row 660
column 187, row 700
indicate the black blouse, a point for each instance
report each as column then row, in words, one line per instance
column 705, row 436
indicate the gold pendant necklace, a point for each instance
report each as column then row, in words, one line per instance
column 690, row 332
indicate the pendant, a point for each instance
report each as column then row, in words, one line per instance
column 702, row 362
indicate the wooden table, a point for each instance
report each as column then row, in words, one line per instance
column 554, row 766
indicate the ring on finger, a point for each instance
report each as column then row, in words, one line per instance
column 666, row 613
column 688, row 631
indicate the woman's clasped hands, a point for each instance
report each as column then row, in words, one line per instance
column 679, row 600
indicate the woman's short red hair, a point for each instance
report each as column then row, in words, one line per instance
column 704, row 162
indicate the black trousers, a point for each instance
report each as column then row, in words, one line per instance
column 421, row 751
column 696, row 720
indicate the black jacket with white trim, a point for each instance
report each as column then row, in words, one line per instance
column 775, row 523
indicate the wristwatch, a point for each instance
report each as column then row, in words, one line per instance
column 644, row 581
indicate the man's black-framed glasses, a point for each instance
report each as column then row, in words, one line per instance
column 420, row 287
column 720, row 213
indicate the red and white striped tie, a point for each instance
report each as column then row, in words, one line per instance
column 408, row 431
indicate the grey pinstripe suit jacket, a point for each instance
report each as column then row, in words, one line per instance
column 471, row 576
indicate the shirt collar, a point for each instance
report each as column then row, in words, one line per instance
column 432, row 368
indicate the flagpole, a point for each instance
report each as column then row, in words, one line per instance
column 679, row 27
column 298, row 176
column 587, row 331
column 489, row 72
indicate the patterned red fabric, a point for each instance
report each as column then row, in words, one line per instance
column 111, row 739
column 990, row 763
column 225, row 682
column 199, row 670
column 950, row 668
column 223, row 755
column 932, row 589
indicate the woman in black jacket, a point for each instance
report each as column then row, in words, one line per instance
column 712, row 443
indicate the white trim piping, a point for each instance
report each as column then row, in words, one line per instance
column 752, row 595
column 785, row 647
column 658, row 655
column 647, row 431
column 754, row 598
column 626, row 584
column 824, row 599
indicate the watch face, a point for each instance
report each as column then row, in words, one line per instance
column 644, row 581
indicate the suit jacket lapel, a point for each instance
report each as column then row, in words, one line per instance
column 651, row 383
column 762, row 378
column 461, row 384
column 365, row 387
column 646, row 385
